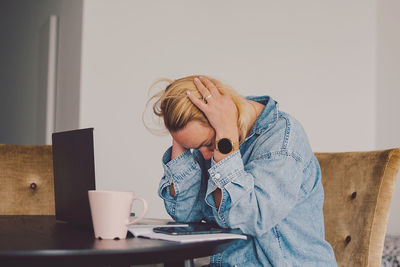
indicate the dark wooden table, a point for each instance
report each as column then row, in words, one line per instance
column 43, row 241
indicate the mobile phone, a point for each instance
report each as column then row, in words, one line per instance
column 189, row 230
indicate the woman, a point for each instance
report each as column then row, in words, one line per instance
column 242, row 163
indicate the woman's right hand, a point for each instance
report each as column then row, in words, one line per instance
column 177, row 149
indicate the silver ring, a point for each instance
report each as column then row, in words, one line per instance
column 207, row 97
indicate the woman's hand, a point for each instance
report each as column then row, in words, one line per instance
column 222, row 115
column 219, row 109
column 177, row 149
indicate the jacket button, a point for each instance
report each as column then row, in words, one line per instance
column 217, row 175
column 33, row 186
column 354, row 195
column 348, row 239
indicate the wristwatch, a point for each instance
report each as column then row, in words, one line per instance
column 226, row 146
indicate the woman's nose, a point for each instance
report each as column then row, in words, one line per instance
column 206, row 152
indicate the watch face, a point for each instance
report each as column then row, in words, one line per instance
column 225, row 146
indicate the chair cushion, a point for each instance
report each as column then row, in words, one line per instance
column 27, row 183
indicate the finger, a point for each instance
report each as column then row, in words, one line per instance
column 210, row 85
column 217, row 83
column 200, row 86
column 197, row 102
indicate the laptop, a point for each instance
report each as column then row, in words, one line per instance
column 73, row 165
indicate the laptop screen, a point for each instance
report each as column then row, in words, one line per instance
column 73, row 164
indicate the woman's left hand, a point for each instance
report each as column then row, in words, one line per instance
column 219, row 109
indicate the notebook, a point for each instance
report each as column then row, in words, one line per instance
column 148, row 232
column 74, row 175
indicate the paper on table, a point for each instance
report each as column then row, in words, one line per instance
column 148, row 233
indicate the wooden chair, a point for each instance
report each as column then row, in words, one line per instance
column 358, row 191
column 26, row 180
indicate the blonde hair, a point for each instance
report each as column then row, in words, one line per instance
column 176, row 109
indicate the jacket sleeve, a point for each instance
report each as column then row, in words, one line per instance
column 257, row 196
column 185, row 173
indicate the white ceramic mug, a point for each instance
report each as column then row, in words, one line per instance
column 111, row 213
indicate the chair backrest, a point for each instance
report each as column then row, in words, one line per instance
column 358, row 190
column 26, row 180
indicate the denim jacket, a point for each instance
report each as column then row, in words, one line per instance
column 271, row 191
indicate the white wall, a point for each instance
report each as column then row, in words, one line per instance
column 69, row 66
column 388, row 90
column 23, row 67
column 316, row 58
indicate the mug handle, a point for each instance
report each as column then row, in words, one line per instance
column 130, row 222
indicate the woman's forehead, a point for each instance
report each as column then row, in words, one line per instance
column 193, row 134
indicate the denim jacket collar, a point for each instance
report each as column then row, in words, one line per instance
column 268, row 117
